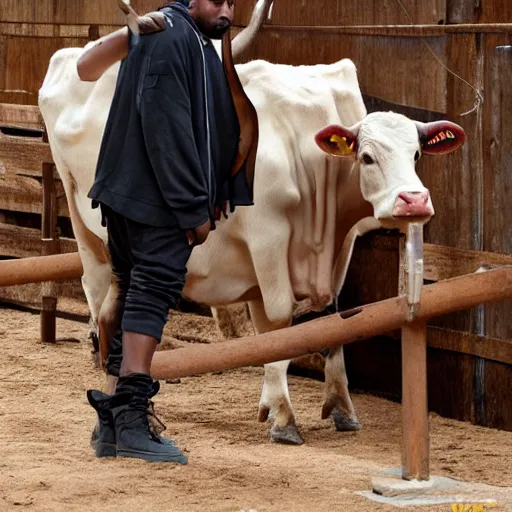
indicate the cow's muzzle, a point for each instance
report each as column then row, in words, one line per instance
column 412, row 204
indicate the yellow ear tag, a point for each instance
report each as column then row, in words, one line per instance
column 343, row 147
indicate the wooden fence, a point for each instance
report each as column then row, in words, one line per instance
column 407, row 63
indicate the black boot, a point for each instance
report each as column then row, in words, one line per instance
column 135, row 436
column 103, row 437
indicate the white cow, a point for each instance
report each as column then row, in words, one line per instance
column 288, row 254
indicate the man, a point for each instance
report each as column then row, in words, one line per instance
column 163, row 174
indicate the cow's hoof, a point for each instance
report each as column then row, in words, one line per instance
column 286, row 435
column 344, row 424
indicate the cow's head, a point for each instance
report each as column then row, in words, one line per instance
column 387, row 146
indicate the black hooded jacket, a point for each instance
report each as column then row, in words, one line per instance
column 172, row 133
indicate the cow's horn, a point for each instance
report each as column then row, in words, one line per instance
column 245, row 38
column 131, row 15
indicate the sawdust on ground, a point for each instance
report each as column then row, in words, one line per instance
column 46, row 463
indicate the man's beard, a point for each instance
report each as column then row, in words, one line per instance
column 217, row 31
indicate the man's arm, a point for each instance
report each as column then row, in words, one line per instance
column 115, row 47
column 106, row 52
column 167, row 123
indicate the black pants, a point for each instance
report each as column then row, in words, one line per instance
column 150, row 265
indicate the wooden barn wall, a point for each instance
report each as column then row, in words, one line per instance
column 397, row 70
column 31, row 31
column 340, row 12
column 382, row 12
column 285, row 12
column 69, row 12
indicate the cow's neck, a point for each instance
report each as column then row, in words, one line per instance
column 351, row 206
column 328, row 211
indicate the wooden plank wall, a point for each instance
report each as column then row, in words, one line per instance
column 397, row 55
column 69, row 12
column 382, row 12
column 32, row 31
column 22, row 155
column 496, row 379
column 339, row 12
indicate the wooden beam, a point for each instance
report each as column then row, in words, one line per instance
column 442, row 262
column 50, row 245
column 490, row 349
column 20, row 242
column 334, row 330
column 30, row 294
column 21, row 116
column 397, row 30
column 415, row 431
column 35, row 153
column 59, row 267
column 49, row 30
column 24, row 194
column 467, row 343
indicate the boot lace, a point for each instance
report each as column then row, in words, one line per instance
column 152, row 422
column 156, row 425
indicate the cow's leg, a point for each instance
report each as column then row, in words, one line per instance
column 337, row 401
column 275, row 397
column 109, row 324
column 111, row 314
column 95, row 283
column 233, row 321
column 96, row 274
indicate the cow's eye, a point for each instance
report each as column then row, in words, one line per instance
column 367, row 159
column 417, row 156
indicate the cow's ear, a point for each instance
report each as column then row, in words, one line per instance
column 440, row 137
column 336, row 140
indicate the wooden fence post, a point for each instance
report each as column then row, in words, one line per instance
column 50, row 245
column 415, row 427
column 415, row 433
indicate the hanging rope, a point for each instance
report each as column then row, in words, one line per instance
column 479, row 98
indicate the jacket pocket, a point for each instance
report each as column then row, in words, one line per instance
column 154, row 71
column 150, row 82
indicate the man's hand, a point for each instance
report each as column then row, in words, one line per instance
column 199, row 235
column 151, row 22
column 147, row 24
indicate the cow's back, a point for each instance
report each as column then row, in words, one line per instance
column 75, row 114
column 291, row 178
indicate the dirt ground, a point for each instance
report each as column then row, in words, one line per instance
column 46, row 463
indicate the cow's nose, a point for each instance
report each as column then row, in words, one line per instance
column 414, row 197
column 412, row 204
